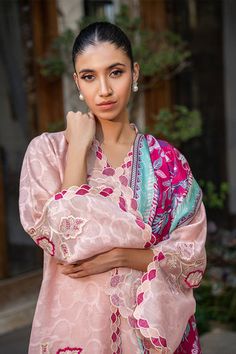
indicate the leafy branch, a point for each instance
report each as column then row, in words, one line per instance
column 178, row 125
column 160, row 56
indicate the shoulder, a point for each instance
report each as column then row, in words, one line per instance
column 161, row 148
column 47, row 147
column 48, row 142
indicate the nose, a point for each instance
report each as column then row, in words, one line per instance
column 104, row 88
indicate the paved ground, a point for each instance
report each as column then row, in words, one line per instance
column 219, row 342
column 216, row 342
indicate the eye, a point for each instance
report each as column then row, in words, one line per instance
column 116, row 73
column 87, row 77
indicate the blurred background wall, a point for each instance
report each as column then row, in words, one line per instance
column 31, row 103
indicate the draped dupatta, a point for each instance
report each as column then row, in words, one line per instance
column 170, row 201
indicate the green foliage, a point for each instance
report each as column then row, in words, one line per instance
column 213, row 198
column 52, row 66
column 203, row 298
column 220, row 308
column 177, row 126
column 159, row 55
column 55, row 62
column 56, row 126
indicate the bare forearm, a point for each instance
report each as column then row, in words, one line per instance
column 76, row 167
column 135, row 258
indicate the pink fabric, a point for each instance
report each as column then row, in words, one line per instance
column 109, row 312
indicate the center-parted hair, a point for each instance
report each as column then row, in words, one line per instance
column 98, row 32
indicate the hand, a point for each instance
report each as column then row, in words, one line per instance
column 100, row 263
column 80, row 128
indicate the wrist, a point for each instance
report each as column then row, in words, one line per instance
column 75, row 148
column 119, row 257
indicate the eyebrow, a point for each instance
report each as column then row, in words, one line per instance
column 109, row 67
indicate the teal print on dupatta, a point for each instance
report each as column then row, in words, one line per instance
column 143, row 177
column 183, row 212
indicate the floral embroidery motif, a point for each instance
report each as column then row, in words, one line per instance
column 69, row 350
column 186, row 250
column 71, row 227
column 194, row 278
column 65, row 250
column 116, row 279
column 44, row 349
column 32, row 231
column 46, row 244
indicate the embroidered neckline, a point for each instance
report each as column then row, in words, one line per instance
column 127, row 161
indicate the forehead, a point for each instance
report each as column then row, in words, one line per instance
column 101, row 55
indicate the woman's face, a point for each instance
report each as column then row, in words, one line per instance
column 103, row 75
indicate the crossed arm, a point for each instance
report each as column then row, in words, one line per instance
column 117, row 257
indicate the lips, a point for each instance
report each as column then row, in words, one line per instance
column 106, row 103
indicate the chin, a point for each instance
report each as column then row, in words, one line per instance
column 111, row 116
column 107, row 116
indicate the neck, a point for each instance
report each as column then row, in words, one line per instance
column 114, row 132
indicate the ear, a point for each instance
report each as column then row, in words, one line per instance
column 75, row 77
column 136, row 69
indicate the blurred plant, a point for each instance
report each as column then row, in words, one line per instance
column 56, row 126
column 221, row 308
column 177, row 126
column 160, row 56
column 55, row 62
column 213, row 198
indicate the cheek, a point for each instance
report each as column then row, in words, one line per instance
column 89, row 94
column 123, row 88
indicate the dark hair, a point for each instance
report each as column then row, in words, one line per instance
column 101, row 32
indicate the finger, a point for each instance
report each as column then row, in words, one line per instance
column 60, row 263
column 71, row 270
column 80, row 274
column 90, row 114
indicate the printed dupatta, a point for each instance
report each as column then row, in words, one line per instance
column 168, row 198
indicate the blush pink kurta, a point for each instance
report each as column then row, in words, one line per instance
column 77, row 315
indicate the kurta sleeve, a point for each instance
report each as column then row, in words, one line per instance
column 77, row 223
column 165, row 299
column 39, row 181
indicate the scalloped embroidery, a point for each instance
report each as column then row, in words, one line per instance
column 194, row 278
column 47, row 245
column 69, row 350
column 115, row 330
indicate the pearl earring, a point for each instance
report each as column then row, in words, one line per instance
column 81, row 97
column 135, row 86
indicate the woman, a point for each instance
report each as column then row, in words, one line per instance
column 119, row 216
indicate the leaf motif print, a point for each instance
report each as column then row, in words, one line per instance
column 157, row 164
column 161, row 174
